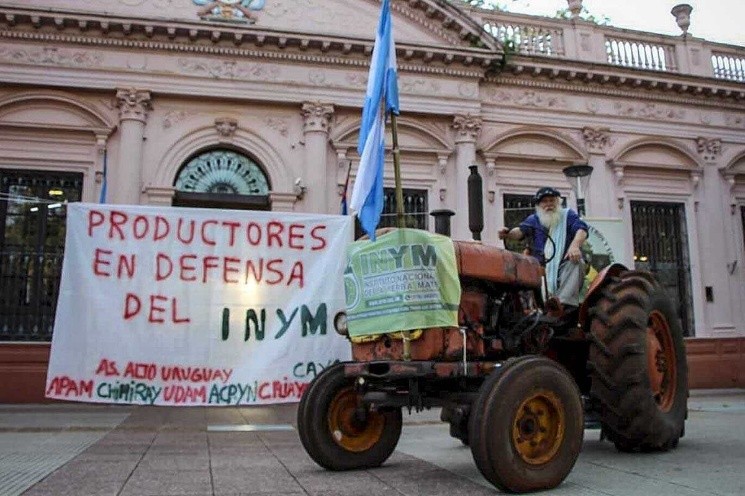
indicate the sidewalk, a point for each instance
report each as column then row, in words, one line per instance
column 77, row 449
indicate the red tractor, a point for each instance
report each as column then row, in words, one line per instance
column 513, row 382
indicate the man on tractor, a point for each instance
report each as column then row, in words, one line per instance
column 557, row 235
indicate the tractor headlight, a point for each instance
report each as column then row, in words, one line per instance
column 340, row 324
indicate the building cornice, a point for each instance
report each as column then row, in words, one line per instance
column 226, row 40
column 607, row 79
column 612, row 90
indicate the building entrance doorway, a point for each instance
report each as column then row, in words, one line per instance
column 32, row 241
column 661, row 247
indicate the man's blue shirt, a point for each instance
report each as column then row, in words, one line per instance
column 531, row 227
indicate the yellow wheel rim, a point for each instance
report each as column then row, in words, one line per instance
column 538, row 427
column 346, row 429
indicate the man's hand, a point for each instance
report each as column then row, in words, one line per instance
column 574, row 254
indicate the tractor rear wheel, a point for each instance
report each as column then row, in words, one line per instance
column 526, row 426
column 638, row 364
column 338, row 432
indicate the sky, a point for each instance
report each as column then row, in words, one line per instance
column 714, row 20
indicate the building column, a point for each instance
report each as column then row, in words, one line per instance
column 467, row 129
column 126, row 175
column 318, row 174
column 713, row 230
column 601, row 196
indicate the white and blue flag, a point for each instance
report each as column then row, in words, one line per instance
column 380, row 100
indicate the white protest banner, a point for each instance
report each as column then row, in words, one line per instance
column 180, row 306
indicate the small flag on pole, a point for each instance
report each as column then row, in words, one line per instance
column 344, row 206
column 380, row 100
column 102, row 198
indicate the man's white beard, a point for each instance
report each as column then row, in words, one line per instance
column 549, row 220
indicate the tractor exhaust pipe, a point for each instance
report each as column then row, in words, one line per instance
column 475, row 203
column 442, row 221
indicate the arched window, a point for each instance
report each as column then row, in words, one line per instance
column 222, row 179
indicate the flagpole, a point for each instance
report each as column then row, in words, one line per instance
column 397, row 174
column 406, row 335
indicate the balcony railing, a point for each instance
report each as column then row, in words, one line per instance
column 529, row 39
column 589, row 42
column 640, row 54
column 729, row 66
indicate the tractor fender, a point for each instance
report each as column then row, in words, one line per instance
column 609, row 272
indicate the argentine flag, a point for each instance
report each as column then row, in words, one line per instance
column 381, row 98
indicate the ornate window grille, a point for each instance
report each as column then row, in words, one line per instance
column 32, row 237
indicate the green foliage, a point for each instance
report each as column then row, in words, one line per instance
column 486, row 4
column 602, row 20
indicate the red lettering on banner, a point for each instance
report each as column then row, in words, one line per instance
column 253, row 233
column 107, row 368
column 262, row 394
column 185, row 394
column 126, row 263
column 174, row 313
column 152, row 318
column 194, row 374
column 293, row 236
column 208, row 263
column 186, row 269
column 144, row 224
column 297, row 273
column 186, row 241
column 132, row 306
column 251, row 269
column 65, row 386
column 232, row 226
column 322, row 240
column 95, row 219
column 229, row 261
column 205, row 240
column 270, row 267
column 98, row 261
column 137, row 370
column 156, row 314
column 121, row 225
column 162, row 228
column 273, row 232
column 116, row 220
column 163, row 266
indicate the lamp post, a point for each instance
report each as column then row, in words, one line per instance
column 579, row 177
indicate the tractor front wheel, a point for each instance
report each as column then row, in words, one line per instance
column 526, row 426
column 338, row 431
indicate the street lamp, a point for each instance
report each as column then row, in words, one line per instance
column 579, row 177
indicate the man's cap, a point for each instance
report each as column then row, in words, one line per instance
column 544, row 192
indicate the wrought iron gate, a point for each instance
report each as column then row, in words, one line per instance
column 415, row 210
column 516, row 208
column 661, row 247
column 32, row 237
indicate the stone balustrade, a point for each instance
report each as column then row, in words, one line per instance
column 588, row 42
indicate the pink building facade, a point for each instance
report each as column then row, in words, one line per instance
column 140, row 101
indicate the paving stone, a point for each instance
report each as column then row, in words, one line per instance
column 253, row 481
column 145, row 482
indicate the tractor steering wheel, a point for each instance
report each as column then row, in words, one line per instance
column 530, row 238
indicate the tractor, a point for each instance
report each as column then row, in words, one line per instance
column 516, row 384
